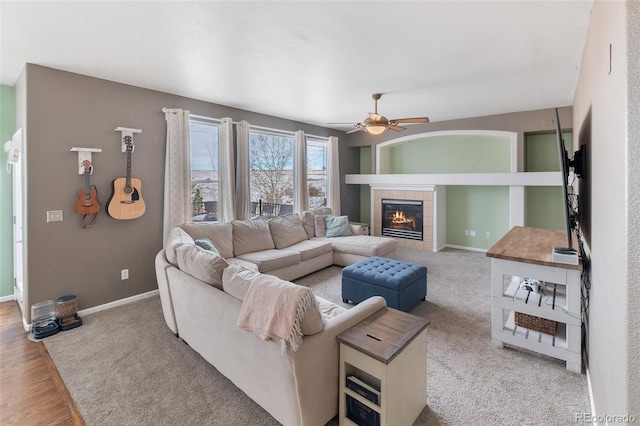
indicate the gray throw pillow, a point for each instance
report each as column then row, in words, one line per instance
column 337, row 226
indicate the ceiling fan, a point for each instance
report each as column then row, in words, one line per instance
column 376, row 124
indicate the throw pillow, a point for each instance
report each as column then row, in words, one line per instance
column 236, row 280
column 177, row 237
column 206, row 244
column 308, row 220
column 220, row 234
column 320, row 226
column 250, row 236
column 287, row 230
column 201, row 264
column 337, row 226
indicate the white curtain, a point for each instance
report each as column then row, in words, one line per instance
column 243, row 196
column 177, row 170
column 300, row 193
column 226, row 178
column 334, row 176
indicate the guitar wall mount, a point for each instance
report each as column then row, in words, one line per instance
column 84, row 154
column 126, row 132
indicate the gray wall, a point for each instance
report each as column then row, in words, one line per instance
column 606, row 112
column 64, row 110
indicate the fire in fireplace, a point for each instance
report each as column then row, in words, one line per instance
column 402, row 218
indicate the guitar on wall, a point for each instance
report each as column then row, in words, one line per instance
column 126, row 197
column 87, row 197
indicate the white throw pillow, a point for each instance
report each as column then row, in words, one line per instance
column 320, row 226
column 201, row 264
column 236, row 280
column 287, row 230
column 250, row 236
column 308, row 220
column 177, row 238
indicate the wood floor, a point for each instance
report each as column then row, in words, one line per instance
column 31, row 390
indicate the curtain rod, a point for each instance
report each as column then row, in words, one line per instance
column 251, row 126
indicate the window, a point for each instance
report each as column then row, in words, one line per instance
column 204, row 170
column 317, row 172
column 270, row 173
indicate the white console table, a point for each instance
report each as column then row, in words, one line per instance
column 526, row 253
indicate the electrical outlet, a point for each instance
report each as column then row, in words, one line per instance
column 466, row 232
column 124, row 274
column 488, row 235
column 472, row 233
column 54, row 216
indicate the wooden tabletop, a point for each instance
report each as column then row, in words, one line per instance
column 531, row 245
column 384, row 334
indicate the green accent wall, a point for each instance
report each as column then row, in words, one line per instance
column 477, row 208
column 7, row 124
column 452, row 154
column 365, row 190
column 544, row 206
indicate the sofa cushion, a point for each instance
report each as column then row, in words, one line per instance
column 269, row 260
column 177, row 237
column 251, row 236
column 362, row 245
column 310, row 249
column 308, row 220
column 337, row 226
column 219, row 233
column 201, row 264
column 287, row 230
column 236, row 280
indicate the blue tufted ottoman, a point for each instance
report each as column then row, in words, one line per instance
column 402, row 284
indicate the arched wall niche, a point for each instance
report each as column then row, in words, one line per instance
column 505, row 146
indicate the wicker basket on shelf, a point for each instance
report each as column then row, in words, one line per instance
column 542, row 325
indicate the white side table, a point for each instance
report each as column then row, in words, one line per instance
column 388, row 351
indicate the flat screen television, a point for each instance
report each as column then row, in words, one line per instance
column 565, row 254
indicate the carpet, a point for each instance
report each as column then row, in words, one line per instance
column 125, row 367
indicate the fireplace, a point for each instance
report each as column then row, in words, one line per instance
column 402, row 219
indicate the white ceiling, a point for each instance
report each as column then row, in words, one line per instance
column 315, row 62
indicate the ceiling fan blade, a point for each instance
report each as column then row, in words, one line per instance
column 396, row 128
column 410, row 120
column 357, row 129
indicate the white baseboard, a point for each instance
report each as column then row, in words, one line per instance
column 592, row 402
column 106, row 306
column 118, row 303
column 7, row 298
column 466, row 248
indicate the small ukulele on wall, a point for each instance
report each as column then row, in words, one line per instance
column 126, row 197
column 88, row 197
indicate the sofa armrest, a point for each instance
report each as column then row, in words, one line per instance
column 317, row 362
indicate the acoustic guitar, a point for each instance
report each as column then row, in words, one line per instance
column 126, row 195
column 87, row 197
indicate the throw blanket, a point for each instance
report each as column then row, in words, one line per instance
column 274, row 309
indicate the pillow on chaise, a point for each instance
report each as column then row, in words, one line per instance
column 308, row 220
column 320, row 226
column 287, row 230
column 201, row 264
column 337, row 226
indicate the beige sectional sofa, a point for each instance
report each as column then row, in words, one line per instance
column 295, row 387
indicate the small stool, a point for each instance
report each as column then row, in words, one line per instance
column 402, row 284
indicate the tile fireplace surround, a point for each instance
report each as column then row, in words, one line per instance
column 426, row 196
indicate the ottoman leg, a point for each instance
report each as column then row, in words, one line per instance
column 345, row 300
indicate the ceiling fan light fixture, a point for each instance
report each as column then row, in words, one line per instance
column 375, row 129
